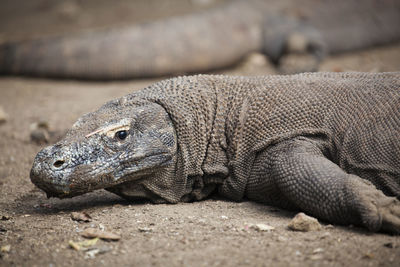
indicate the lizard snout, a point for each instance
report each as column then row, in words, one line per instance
column 48, row 170
column 53, row 158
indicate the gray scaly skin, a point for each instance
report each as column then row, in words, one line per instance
column 209, row 40
column 324, row 143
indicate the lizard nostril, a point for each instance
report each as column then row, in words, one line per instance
column 58, row 163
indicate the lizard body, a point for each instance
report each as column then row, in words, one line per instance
column 324, row 143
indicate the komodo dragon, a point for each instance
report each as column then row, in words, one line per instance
column 324, row 143
column 210, row 39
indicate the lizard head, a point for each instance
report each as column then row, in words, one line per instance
column 110, row 146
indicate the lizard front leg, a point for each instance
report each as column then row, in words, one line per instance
column 307, row 178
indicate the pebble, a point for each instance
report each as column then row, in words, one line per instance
column 5, row 217
column 83, row 245
column 318, row 250
column 6, row 248
column 262, row 227
column 81, row 217
column 304, row 223
column 389, row 245
column 325, row 235
column 91, row 253
column 39, row 132
column 145, row 229
column 93, row 232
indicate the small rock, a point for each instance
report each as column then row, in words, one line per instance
column 302, row 222
column 329, row 226
column 5, row 248
column 105, row 235
column 223, row 217
column 81, row 217
column 74, row 245
column 262, row 227
column 368, row 255
column 83, row 245
column 145, row 229
column 318, row 250
column 325, row 235
column 92, row 252
column 5, row 217
column 389, row 245
column 40, row 132
column 39, row 136
column 3, row 115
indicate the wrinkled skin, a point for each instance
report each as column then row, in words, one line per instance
column 111, row 148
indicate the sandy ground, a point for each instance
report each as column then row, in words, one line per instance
column 35, row 231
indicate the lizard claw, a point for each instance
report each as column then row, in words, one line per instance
column 379, row 212
column 390, row 213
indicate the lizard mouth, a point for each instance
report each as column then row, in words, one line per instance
column 85, row 178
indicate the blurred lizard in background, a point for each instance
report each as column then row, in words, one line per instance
column 211, row 39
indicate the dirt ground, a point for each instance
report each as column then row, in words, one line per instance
column 35, row 231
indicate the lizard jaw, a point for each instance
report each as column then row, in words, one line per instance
column 57, row 178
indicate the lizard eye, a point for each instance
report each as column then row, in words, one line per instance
column 121, row 135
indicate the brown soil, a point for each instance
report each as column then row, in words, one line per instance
column 214, row 232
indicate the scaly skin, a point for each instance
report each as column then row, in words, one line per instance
column 324, row 143
column 209, row 40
